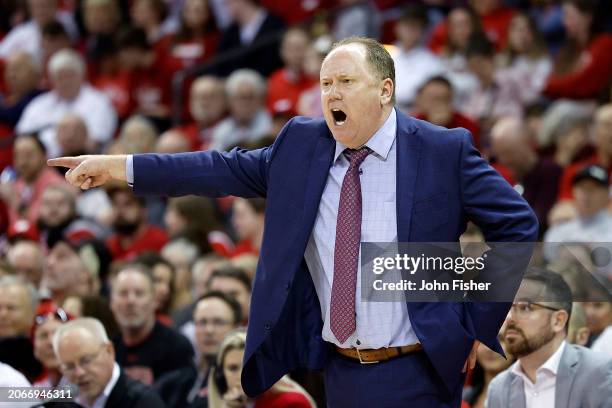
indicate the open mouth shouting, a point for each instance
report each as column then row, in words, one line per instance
column 339, row 117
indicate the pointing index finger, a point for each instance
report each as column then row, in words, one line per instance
column 70, row 162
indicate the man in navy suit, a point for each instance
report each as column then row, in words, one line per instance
column 365, row 173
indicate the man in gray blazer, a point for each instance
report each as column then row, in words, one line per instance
column 549, row 372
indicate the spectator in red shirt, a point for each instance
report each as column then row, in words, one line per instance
column 603, row 151
column 24, row 196
column 101, row 19
column 149, row 80
column 207, row 106
column 287, row 84
column 196, row 39
column 133, row 234
column 110, row 78
column 149, row 15
column 494, row 17
column 434, row 103
column 582, row 69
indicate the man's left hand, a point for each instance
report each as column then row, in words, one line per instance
column 470, row 363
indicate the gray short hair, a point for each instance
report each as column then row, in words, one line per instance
column 89, row 324
column 11, row 280
column 245, row 75
column 188, row 249
column 66, row 59
column 379, row 59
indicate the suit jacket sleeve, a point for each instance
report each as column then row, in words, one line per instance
column 211, row 173
column 504, row 217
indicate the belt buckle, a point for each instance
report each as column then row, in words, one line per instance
column 365, row 362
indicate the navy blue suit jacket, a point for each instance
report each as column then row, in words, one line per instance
column 442, row 182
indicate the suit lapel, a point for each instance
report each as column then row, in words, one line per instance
column 565, row 376
column 516, row 393
column 408, row 156
column 317, row 177
column 118, row 393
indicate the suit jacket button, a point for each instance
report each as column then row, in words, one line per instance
column 267, row 326
column 288, row 286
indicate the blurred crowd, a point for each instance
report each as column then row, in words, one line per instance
column 102, row 286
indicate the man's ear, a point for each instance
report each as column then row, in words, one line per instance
column 560, row 320
column 386, row 91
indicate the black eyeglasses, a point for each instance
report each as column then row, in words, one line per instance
column 59, row 314
column 523, row 309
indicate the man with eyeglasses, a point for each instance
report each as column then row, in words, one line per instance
column 549, row 372
column 214, row 316
column 87, row 359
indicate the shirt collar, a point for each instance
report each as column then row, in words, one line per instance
column 551, row 365
column 101, row 399
column 113, row 380
column 381, row 142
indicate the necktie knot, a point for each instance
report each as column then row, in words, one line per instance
column 356, row 156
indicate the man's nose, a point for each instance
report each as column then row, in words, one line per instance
column 334, row 93
column 510, row 317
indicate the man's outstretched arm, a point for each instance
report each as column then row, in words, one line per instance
column 238, row 172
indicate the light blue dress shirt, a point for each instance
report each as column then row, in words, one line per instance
column 379, row 324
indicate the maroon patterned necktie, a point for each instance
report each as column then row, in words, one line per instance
column 346, row 251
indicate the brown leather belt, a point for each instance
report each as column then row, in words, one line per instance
column 370, row 356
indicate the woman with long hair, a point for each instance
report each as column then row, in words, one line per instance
column 225, row 390
column 462, row 24
column 526, row 57
column 582, row 68
column 196, row 39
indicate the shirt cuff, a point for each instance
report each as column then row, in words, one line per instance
column 129, row 170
